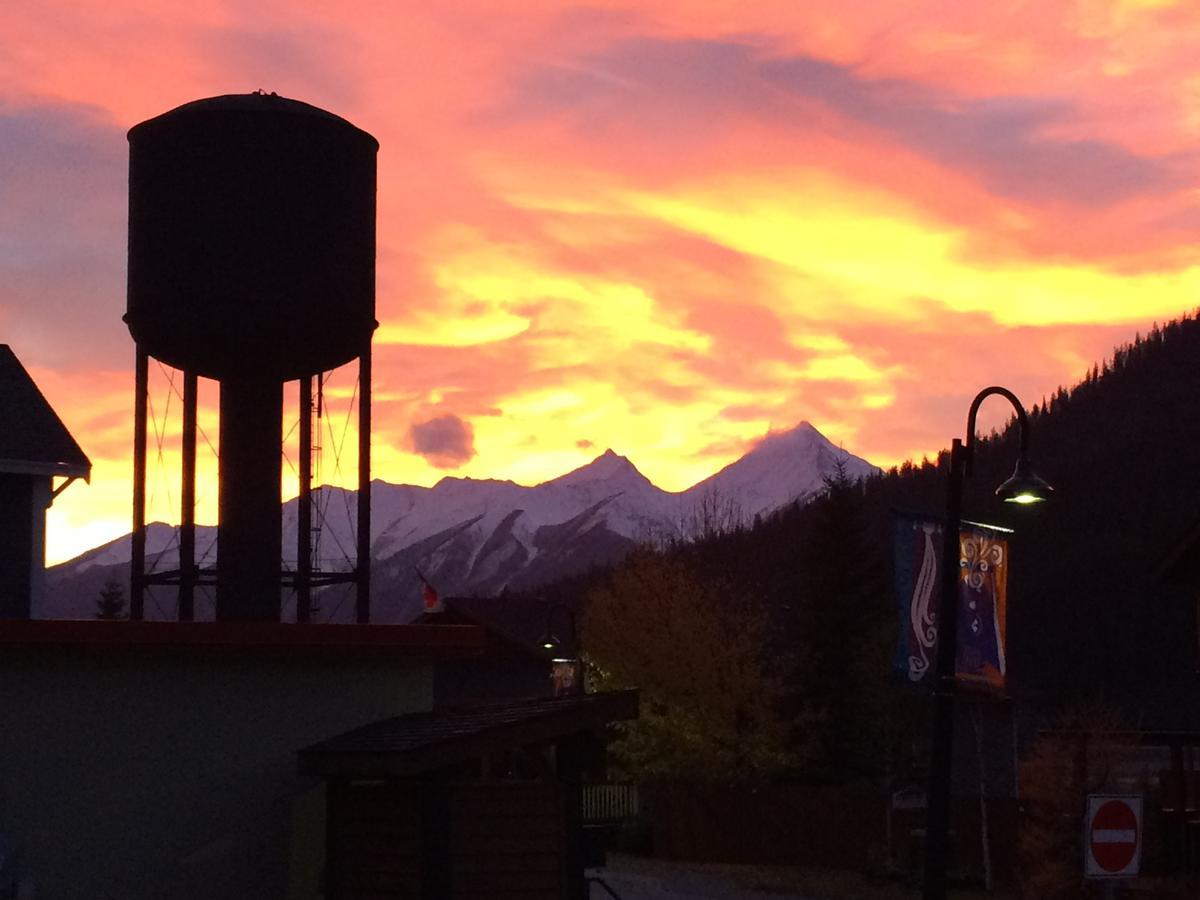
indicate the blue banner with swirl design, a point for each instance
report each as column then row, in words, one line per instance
column 982, row 597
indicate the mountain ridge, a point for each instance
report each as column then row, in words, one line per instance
column 485, row 536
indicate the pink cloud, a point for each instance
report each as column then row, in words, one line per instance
column 1054, row 136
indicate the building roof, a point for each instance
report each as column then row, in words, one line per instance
column 419, row 742
column 33, row 439
column 426, row 641
column 520, row 620
column 513, row 639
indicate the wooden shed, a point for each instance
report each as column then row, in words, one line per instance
column 474, row 802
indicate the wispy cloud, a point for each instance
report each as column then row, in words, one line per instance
column 663, row 230
column 62, row 234
column 684, row 94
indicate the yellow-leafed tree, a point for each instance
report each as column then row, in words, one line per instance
column 696, row 647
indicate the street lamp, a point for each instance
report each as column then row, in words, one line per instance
column 566, row 674
column 1024, row 487
column 550, row 639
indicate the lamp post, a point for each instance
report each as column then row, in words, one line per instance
column 1024, row 487
column 567, row 675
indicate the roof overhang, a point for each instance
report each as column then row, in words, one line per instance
column 51, row 470
column 421, row 742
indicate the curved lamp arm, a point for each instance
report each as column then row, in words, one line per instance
column 550, row 640
column 1022, row 422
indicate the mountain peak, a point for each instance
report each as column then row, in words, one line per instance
column 608, row 466
column 805, row 434
column 782, row 466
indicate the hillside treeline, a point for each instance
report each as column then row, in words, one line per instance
column 1091, row 615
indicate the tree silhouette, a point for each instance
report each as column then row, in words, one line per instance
column 111, row 603
column 845, row 595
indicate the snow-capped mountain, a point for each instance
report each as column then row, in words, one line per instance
column 783, row 466
column 471, row 536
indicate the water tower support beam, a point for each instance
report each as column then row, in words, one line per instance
column 248, row 539
column 363, row 606
column 304, row 506
column 137, row 562
column 187, row 494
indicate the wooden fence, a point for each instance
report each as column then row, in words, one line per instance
column 609, row 803
column 815, row 825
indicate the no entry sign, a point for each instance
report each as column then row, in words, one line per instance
column 1113, row 836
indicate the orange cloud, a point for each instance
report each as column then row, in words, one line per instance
column 663, row 231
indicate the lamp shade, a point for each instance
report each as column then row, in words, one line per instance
column 1024, row 486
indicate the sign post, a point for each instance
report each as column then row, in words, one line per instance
column 1112, row 838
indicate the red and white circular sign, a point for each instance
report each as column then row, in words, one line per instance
column 1114, row 836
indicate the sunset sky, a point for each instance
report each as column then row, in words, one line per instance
column 661, row 227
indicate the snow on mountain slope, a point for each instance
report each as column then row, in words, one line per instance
column 483, row 536
column 162, row 549
column 783, row 466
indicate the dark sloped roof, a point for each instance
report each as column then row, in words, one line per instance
column 521, row 620
column 33, row 439
column 419, row 742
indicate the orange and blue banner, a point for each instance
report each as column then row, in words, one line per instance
column 982, row 598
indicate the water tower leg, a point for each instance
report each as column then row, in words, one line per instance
column 137, row 562
column 363, row 606
column 248, row 537
column 304, row 507
column 187, row 493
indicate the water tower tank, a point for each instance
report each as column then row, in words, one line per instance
column 251, row 261
column 251, row 237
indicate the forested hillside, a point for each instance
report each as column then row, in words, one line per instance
column 1089, row 614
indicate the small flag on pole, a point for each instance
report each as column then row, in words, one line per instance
column 429, row 594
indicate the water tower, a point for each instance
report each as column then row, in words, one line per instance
column 251, row 262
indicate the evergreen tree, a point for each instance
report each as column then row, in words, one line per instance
column 111, row 603
column 845, row 614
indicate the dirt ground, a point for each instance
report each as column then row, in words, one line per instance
column 639, row 878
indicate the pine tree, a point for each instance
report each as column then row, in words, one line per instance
column 844, row 599
column 111, row 604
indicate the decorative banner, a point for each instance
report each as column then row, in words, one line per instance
column 566, row 676
column 982, row 598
